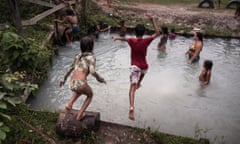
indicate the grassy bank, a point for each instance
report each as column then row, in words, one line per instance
column 225, row 26
column 45, row 123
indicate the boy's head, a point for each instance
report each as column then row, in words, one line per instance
column 70, row 12
column 208, row 64
column 122, row 22
column 86, row 44
column 164, row 30
column 140, row 30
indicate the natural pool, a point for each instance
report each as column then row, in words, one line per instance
column 170, row 100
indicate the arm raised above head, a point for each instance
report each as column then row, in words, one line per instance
column 156, row 30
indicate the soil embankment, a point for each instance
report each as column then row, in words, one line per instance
column 216, row 21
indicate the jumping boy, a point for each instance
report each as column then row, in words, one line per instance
column 139, row 64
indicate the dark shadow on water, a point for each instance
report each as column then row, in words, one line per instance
column 201, row 90
column 162, row 54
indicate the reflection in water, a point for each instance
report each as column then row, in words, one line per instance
column 162, row 54
column 170, row 100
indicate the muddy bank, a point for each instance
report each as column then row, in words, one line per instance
column 212, row 22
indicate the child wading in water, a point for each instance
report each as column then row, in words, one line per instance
column 164, row 38
column 83, row 64
column 205, row 75
column 139, row 64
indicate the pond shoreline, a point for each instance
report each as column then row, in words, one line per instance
column 184, row 18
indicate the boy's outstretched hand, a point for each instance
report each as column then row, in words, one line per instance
column 114, row 38
column 149, row 15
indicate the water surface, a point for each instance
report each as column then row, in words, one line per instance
column 170, row 100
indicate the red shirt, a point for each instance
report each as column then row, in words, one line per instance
column 139, row 51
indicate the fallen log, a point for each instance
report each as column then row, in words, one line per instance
column 44, row 14
column 68, row 125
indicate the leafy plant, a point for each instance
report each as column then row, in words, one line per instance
column 10, row 87
column 23, row 54
column 22, row 63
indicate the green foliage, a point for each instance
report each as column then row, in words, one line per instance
column 210, row 31
column 4, row 12
column 22, row 62
column 20, row 54
column 44, row 121
column 10, row 87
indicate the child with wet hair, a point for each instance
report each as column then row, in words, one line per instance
column 164, row 38
column 205, row 75
column 82, row 65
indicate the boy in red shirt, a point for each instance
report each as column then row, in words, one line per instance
column 139, row 64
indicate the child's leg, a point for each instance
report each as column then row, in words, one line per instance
column 140, row 80
column 72, row 100
column 132, row 90
column 68, row 36
column 89, row 94
column 80, row 114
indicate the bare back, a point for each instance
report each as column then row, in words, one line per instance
column 72, row 19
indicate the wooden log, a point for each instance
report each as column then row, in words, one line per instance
column 68, row 125
column 44, row 14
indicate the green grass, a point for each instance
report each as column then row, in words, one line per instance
column 162, row 138
column 46, row 122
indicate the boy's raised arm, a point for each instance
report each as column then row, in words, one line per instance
column 156, row 34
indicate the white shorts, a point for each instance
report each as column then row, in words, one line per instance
column 136, row 73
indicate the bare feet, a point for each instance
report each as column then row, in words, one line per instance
column 80, row 117
column 131, row 113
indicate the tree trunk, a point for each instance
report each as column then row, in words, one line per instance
column 68, row 125
column 16, row 19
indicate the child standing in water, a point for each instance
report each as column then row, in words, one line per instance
column 163, row 41
column 172, row 34
column 83, row 64
column 205, row 75
column 122, row 29
column 139, row 64
column 195, row 48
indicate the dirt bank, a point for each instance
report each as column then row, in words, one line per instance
column 188, row 15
